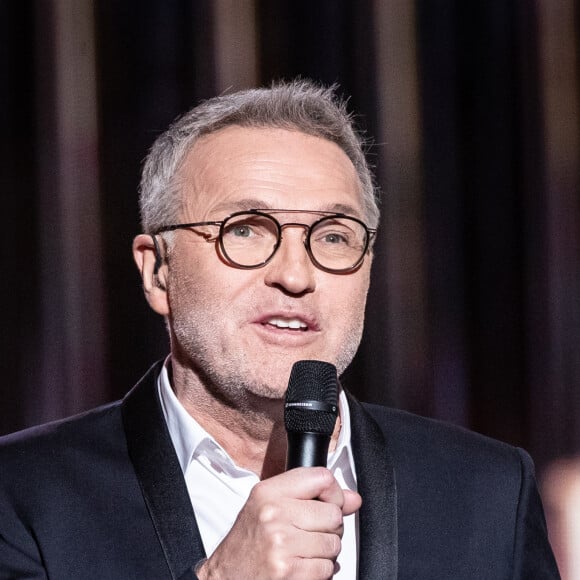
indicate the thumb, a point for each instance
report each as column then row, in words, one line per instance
column 352, row 502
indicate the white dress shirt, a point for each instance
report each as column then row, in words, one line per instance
column 218, row 488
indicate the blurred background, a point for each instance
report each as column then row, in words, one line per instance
column 474, row 111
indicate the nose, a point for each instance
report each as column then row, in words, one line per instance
column 291, row 268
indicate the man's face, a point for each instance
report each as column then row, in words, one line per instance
column 241, row 330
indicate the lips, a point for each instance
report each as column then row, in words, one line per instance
column 292, row 323
column 296, row 322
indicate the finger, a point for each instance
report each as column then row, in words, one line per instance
column 311, row 568
column 304, row 483
column 316, row 516
column 352, row 502
column 321, row 545
column 331, row 492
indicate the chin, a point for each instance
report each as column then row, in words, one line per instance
column 274, row 388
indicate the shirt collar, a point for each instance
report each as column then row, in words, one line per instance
column 343, row 445
column 188, row 435
column 185, row 432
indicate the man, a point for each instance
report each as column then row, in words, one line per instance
column 259, row 213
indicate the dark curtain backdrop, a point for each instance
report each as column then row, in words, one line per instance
column 474, row 309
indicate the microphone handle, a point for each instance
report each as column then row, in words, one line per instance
column 306, row 449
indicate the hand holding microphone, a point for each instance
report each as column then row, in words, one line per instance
column 292, row 524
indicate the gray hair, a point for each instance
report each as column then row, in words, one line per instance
column 298, row 105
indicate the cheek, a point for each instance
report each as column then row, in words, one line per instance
column 347, row 301
column 208, row 287
column 357, row 291
column 358, row 304
column 187, row 287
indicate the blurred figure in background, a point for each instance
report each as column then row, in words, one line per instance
column 561, row 492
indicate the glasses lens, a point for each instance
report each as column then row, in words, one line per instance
column 249, row 239
column 338, row 243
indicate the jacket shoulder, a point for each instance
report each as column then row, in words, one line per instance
column 60, row 440
column 428, row 440
column 467, row 505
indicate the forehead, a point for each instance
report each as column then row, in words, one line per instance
column 240, row 167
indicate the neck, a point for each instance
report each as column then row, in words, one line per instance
column 250, row 430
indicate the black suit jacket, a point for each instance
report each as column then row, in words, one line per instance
column 101, row 496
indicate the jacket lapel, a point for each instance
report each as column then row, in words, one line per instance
column 160, row 476
column 165, row 493
column 376, row 485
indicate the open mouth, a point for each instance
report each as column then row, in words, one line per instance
column 286, row 323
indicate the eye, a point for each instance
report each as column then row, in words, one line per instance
column 241, row 231
column 333, row 233
column 249, row 228
column 334, row 238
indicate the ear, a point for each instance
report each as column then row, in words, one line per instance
column 153, row 272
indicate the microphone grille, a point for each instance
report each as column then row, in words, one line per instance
column 312, row 398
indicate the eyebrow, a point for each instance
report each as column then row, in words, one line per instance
column 241, row 205
column 254, row 203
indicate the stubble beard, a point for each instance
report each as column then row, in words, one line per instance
column 232, row 377
column 231, row 373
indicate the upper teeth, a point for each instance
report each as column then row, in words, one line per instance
column 293, row 323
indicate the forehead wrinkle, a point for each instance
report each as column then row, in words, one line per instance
column 198, row 178
column 213, row 157
column 206, row 176
column 283, row 172
column 247, row 204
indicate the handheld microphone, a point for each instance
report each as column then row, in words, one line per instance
column 310, row 412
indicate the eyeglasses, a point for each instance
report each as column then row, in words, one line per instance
column 249, row 239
